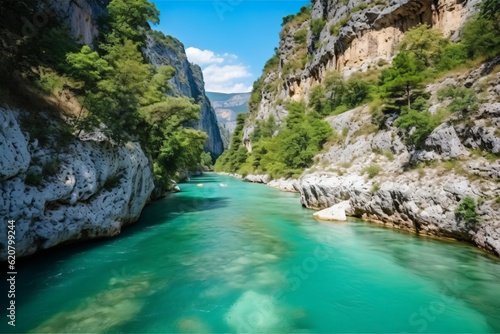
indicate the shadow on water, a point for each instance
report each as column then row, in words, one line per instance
column 171, row 207
column 156, row 213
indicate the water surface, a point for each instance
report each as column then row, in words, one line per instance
column 248, row 258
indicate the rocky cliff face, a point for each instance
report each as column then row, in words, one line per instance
column 227, row 107
column 384, row 180
column 80, row 15
column 94, row 187
column 358, row 36
column 188, row 81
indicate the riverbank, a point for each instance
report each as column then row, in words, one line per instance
column 402, row 204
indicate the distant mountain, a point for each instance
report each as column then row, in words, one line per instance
column 226, row 107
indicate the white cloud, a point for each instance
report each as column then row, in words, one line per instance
column 203, row 57
column 226, row 79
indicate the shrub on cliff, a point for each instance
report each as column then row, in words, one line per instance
column 317, row 25
column 467, row 211
column 417, row 125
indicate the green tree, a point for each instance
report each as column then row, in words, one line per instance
column 129, row 19
column 481, row 36
column 87, row 66
column 405, row 76
column 425, row 43
column 418, row 125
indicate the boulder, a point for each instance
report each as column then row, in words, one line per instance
column 334, row 213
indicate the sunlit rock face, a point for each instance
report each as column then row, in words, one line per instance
column 93, row 189
column 362, row 39
column 188, row 81
column 367, row 41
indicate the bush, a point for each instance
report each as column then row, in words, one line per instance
column 418, row 125
column 317, row 25
column 372, row 171
column 256, row 95
column 359, row 7
column 335, row 28
column 287, row 19
column 481, row 36
column 301, row 36
column 51, row 168
column 464, row 100
column 206, row 160
column 451, row 56
column 467, row 210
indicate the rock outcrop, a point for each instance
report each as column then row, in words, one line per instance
column 336, row 212
column 80, row 15
column 383, row 179
column 188, row 81
column 416, row 190
column 57, row 193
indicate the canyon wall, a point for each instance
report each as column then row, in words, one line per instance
column 62, row 191
column 83, row 186
column 82, row 15
column 383, row 179
column 188, row 81
column 366, row 40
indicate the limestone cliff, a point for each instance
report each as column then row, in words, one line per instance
column 358, row 36
column 227, row 107
column 417, row 190
column 188, row 81
column 61, row 192
column 82, row 15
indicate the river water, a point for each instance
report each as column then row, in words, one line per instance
column 248, row 258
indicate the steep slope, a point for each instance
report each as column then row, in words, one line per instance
column 70, row 190
column 227, row 107
column 62, row 186
column 369, row 161
column 188, row 81
column 82, row 15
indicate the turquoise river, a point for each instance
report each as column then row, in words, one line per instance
column 242, row 257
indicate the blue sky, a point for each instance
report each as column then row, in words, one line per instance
column 230, row 39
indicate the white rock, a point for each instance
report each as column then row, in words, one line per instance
column 73, row 204
column 336, row 212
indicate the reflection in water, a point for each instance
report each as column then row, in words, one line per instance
column 248, row 258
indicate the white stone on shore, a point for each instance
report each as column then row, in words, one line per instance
column 334, row 213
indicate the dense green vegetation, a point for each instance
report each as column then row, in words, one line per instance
column 285, row 154
column 113, row 83
column 395, row 92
